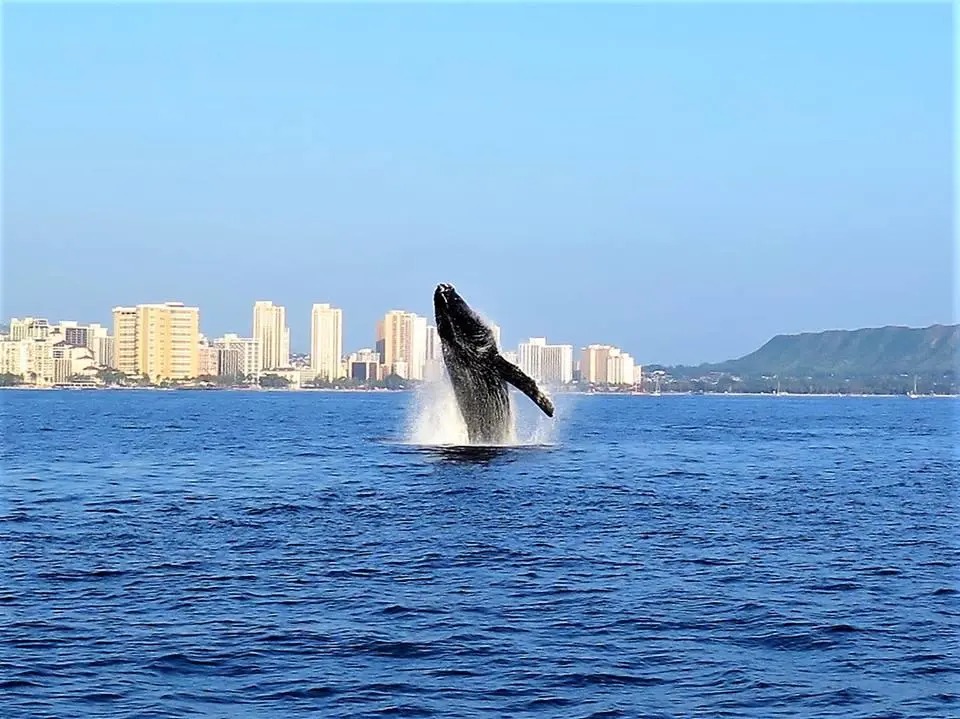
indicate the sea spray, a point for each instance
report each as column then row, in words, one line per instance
column 435, row 416
column 435, row 419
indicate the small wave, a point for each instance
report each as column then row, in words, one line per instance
column 715, row 561
column 280, row 508
column 836, row 587
column 843, row 629
column 404, row 710
column 79, row 576
column 317, row 692
column 604, row 679
column 397, row 609
column 398, row 650
column 101, row 697
column 10, row 684
column 15, row 517
column 452, row 672
column 351, row 573
column 179, row 663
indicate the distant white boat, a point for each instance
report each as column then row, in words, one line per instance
column 913, row 395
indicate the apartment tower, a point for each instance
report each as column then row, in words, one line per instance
column 271, row 334
column 161, row 341
column 326, row 342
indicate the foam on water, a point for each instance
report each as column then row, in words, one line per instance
column 435, row 420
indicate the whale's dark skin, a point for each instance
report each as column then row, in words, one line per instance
column 478, row 372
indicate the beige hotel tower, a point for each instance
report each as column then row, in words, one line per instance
column 158, row 340
column 271, row 332
column 326, row 342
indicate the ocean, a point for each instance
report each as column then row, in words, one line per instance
column 282, row 554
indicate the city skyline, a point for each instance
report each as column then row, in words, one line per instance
column 164, row 341
column 685, row 179
column 300, row 342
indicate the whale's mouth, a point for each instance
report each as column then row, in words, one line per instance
column 445, row 298
column 445, row 290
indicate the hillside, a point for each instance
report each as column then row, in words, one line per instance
column 853, row 353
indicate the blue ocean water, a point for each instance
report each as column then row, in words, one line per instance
column 277, row 554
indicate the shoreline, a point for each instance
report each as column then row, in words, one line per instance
column 356, row 390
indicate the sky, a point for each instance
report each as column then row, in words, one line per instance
column 681, row 180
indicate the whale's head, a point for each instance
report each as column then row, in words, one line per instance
column 457, row 324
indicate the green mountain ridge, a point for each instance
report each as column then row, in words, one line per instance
column 874, row 351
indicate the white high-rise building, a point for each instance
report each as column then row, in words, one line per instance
column 326, row 342
column 29, row 328
column 418, row 350
column 15, row 357
column 619, row 367
column 530, row 354
column 272, row 335
column 496, row 334
column 248, row 354
column 549, row 364
column 511, row 357
column 364, row 365
column 101, row 344
column 434, row 350
column 556, row 364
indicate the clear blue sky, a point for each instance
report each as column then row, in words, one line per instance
column 681, row 180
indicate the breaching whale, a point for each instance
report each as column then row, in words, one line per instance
column 478, row 371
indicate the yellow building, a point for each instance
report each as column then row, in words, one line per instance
column 326, row 342
column 593, row 365
column 125, row 340
column 161, row 341
column 272, row 335
column 402, row 344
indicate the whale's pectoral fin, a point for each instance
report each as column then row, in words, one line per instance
column 516, row 376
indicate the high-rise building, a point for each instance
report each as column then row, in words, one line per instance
column 70, row 360
column 496, row 334
column 434, row 349
column 549, row 364
column 418, row 347
column 364, row 365
column 272, row 335
column 15, row 357
column 238, row 356
column 208, row 361
column 556, row 364
column 593, row 364
column 73, row 333
column 228, row 362
column 94, row 337
column 619, row 367
column 326, row 342
column 402, row 344
column 40, row 366
column 125, row 350
column 101, row 344
column 29, row 328
column 511, row 357
column 158, row 340
column 530, row 355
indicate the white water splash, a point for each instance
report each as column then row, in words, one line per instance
column 435, row 419
column 435, row 416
